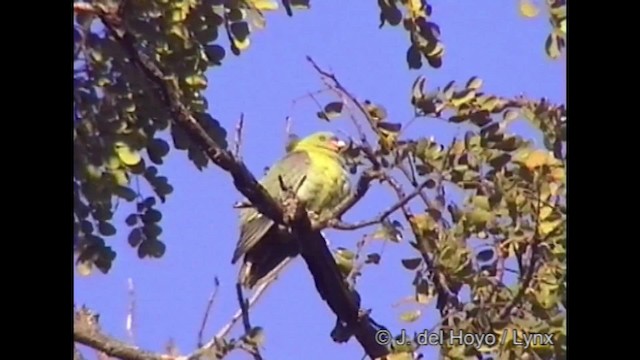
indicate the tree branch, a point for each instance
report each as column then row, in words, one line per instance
column 378, row 219
column 87, row 332
column 330, row 282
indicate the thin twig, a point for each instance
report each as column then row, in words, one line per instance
column 205, row 318
column 345, row 95
column 238, row 315
column 131, row 311
column 238, row 138
column 244, row 307
column 378, row 219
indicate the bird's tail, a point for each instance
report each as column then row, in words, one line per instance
column 265, row 261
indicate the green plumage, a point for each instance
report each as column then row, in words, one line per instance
column 265, row 246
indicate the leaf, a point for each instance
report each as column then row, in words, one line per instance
column 106, row 228
column 552, row 46
column 481, row 202
column 528, row 9
column 510, row 115
column 135, row 237
column 152, row 230
column 126, row 155
column 536, row 158
column 300, row 4
column 333, row 110
column 404, row 355
column 125, row 193
column 152, row 216
column 240, row 34
column 157, row 149
column 255, row 337
column 84, row 268
column 121, row 177
column 151, row 248
column 345, row 260
column 131, row 220
column 462, row 97
column 411, row 315
column 215, row 53
column 390, row 127
column 547, row 227
column 411, row 264
column 480, row 217
column 423, row 293
column 373, row 258
column 474, row 83
column 388, row 231
column 265, row 5
column 414, row 57
column 485, row 255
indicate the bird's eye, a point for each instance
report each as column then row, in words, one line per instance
column 322, row 138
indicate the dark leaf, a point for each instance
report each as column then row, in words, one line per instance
column 215, row 54
column 414, row 57
column 391, row 127
column 485, row 255
column 135, row 237
column 411, row 264
column 373, row 258
column 152, row 230
column 106, row 228
column 125, row 192
column 131, row 220
column 151, row 216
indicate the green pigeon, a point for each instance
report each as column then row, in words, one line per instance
column 265, row 245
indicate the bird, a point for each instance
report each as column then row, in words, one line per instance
column 316, row 166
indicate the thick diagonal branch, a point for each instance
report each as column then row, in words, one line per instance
column 329, row 282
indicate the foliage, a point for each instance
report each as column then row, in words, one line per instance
column 514, row 193
column 515, row 205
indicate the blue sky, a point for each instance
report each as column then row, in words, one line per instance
column 483, row 38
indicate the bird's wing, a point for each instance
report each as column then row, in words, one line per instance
column 292, row 168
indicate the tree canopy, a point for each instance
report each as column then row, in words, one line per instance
column 140, row 71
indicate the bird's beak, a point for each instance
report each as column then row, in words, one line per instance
column 340, row 145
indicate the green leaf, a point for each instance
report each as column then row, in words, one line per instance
column 553, row 46
column 127, row 155
column 388, row 231
column 411, row 316
column 474, row 83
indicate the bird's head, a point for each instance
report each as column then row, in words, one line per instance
column 323, row 140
